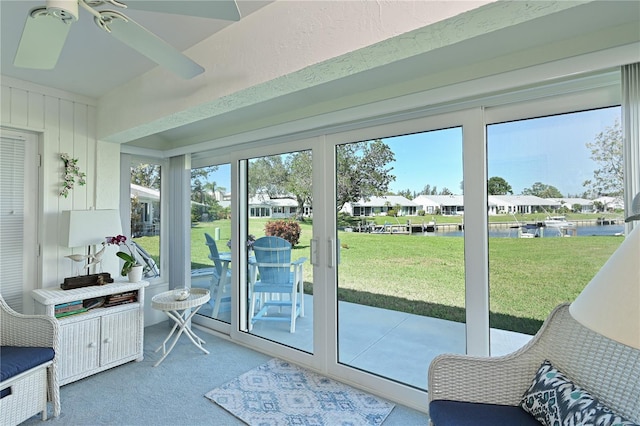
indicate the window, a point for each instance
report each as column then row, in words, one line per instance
column 541, row 179
column 145, row 213
column 211, row 237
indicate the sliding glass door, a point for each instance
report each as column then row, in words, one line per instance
column 400, row 287
column 277, row 227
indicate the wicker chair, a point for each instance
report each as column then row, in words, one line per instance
column 29, row 391
column 609, row 370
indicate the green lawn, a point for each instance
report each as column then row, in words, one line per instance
column 425, row 275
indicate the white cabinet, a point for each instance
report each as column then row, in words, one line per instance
column 99, row 338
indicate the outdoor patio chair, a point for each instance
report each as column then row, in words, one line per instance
column 220, row 288
column 280, row 283
column 28, row 347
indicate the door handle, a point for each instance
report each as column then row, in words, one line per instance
column 313, row 251
column 332, row 252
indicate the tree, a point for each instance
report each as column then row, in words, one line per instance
column 299, row 182
column 428, row 190
column 146, row 175
column 498, row 186
column 541, row 190
column 446, row 191
column 202, row 193
column 363, row 171
column 268, row 176
column 606, row 150
column 406, row 193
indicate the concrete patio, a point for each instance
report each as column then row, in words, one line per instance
column 396, row 345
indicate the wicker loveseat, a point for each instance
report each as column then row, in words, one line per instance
column 467, row 390
column 28, row 347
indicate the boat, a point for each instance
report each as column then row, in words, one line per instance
column 529, row 230
column 558, row 222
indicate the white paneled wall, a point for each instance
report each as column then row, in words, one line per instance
column 65, row 123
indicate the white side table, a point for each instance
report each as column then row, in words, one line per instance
column 177, row 310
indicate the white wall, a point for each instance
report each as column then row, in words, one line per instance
column 64, row 123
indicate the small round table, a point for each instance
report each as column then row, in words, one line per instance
column 177, row 310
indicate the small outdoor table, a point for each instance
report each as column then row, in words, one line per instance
column 177, row 310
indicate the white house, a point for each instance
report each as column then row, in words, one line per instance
column 379, row 206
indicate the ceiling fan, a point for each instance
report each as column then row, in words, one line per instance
column 47, row 27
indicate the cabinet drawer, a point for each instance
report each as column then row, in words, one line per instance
column 79, row 347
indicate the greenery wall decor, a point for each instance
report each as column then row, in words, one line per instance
column 72, row 174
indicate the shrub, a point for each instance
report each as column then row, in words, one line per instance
column 287, row 229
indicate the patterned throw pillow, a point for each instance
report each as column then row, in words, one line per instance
column 555, row 401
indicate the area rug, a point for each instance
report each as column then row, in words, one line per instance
column 281, row 393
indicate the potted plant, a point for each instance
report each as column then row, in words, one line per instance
column 131, row 267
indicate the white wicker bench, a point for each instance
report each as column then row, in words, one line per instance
column 27, row 391
column 608, row 370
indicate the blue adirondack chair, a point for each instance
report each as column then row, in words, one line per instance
column 220, row 287
column 280, row 283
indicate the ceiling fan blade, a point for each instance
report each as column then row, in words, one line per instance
column 144, row 41
column 41, row 43
column 218, row 9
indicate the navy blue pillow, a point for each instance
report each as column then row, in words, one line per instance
column 554, row 400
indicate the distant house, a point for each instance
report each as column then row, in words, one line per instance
column 523, row 204
column 586, row 206
column 426, row 204
column 148, row 210
column 448, row 205
column 610, row 203
column 277, row 208
column 379, row 206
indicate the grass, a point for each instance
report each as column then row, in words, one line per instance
column 425, row 275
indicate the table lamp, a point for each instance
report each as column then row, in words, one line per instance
column 81, row 228
column 610, row 303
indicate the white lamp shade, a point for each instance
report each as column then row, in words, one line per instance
column 87, row 227
column 634, row 211
column 610, row 303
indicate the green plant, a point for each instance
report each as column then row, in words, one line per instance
column 129, row 262
column 129, row 258
column 287, row 229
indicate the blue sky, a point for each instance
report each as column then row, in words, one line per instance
column 550, row 150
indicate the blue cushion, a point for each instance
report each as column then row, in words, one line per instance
column 456, row 413
column 16, row 360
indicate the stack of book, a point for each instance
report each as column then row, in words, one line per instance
column 121, row 298
column 71, row 308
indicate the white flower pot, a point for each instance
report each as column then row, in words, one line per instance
column 135, row 274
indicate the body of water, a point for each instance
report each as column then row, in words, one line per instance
column 602, row 230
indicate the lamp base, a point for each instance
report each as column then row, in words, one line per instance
column 86, row 281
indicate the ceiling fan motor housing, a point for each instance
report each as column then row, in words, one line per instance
column 65, row 10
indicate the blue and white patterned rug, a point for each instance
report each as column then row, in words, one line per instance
column 281, row 393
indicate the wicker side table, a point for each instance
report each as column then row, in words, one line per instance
column 178, row 311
